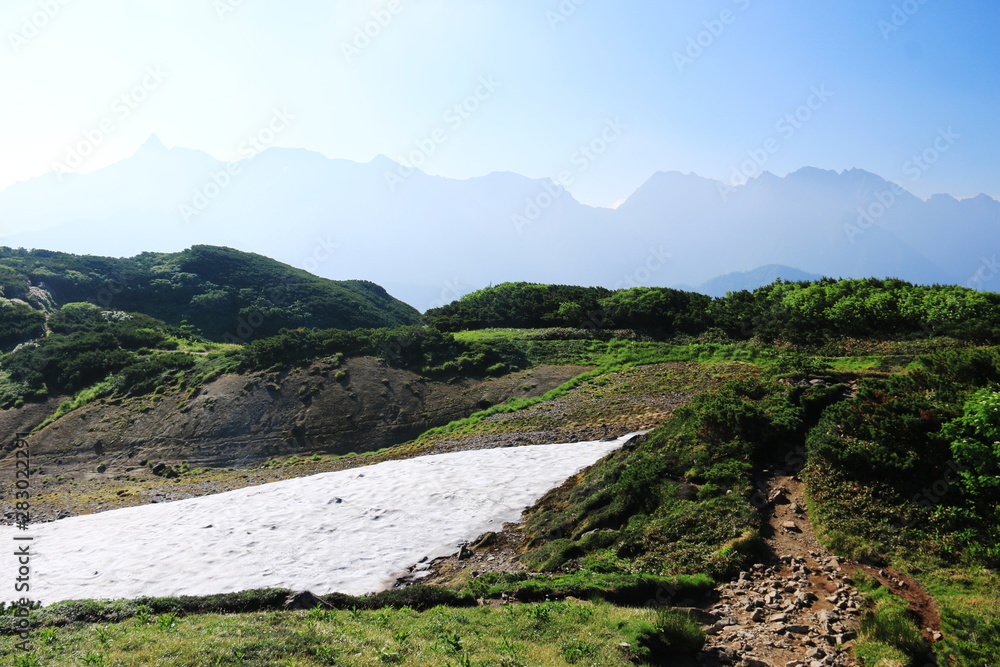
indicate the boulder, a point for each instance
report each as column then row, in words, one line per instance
column 305, row 600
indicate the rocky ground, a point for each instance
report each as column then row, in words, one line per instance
column 795, row 609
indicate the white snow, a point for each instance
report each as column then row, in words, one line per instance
column 351, row 531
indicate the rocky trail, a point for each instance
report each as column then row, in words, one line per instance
column 795, row 609
column 798, row 607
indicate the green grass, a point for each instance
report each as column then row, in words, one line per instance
column 970, row 612
column 888, row 637
column 468, row 424
column 630, row 589
column 614, row 357
column 80, row 399
column 550, row 633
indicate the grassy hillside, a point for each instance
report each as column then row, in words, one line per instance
column 882, row 397
column 220, row 293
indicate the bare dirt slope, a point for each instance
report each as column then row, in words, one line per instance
column 240, row 421
column 237, row 420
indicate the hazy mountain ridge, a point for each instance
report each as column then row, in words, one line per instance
column 750, row 280
column 430, row 239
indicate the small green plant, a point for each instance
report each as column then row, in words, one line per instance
column 888, row 631
column 325, row 655
column 47, row 636
column 400, row 636
column 540, row 613
column 143, row 614
column 574, row 652
column 451, row 641
column 321, row 614
column 167, row 621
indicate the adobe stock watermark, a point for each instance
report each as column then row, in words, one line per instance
column 323, row 251
column 22, row 543
column 656, row 258
column 218, row 181
column 581, row 160
column 901, row 14
column 786, row 127
column 454, row 118
column 988, row 269
column 32, row 26
column 915, row 167
column 929, row 497
column 365, row 34
column 122, row 108
column 392, row 350
column 704, row 39
column 451, row 290
column 247, row 323
column 562, row 12
column 225, row 7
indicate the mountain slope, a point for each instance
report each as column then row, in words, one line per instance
column 222, row 293
column 751, row 280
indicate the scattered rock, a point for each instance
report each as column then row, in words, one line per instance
column 305, row 600
column 777, row 495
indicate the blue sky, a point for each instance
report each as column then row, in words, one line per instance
column 720, row 88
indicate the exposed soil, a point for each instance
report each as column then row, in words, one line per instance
column 240, row 422
column 98, row 457
column 922, row 606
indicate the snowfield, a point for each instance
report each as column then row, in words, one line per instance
column 352, row 531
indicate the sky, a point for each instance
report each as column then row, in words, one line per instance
column 608, row 92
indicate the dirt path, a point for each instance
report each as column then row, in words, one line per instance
column 922, row 606
column 794, row 609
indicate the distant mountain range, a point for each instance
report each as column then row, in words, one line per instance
column 750, row 280
column 430, row 239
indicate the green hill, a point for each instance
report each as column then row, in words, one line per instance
column 221, row 293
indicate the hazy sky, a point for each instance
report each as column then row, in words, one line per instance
column 708, row 86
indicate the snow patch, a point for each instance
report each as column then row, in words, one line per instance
column 351, row 531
